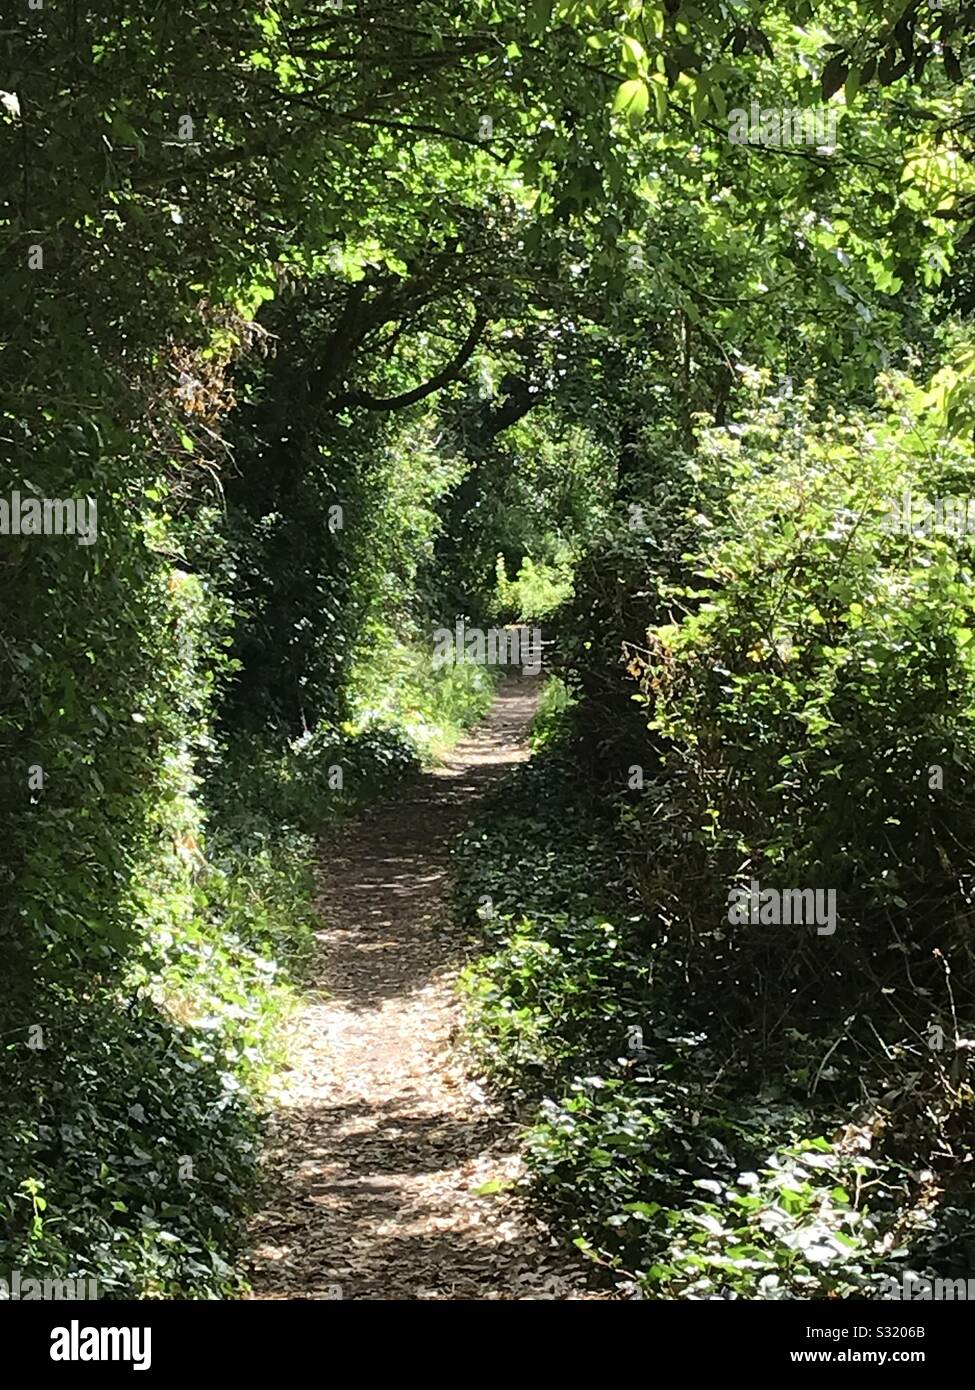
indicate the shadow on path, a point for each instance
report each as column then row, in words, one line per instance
column 381, row 1140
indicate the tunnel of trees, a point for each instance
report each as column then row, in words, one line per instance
column 344, row 321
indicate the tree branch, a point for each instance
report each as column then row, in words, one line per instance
column 443, row 378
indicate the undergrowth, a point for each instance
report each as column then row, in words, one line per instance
column 717, row 1108
column 132, row 1119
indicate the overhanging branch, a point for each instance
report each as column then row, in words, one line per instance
column 443, row 378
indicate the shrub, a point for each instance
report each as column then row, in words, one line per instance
column 751, row 1111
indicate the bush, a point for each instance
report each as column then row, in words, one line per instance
column 395, row 684
column 537, row 592
column 732, row 1110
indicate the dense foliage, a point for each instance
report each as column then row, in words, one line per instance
column 757, row 1108
column 352, row 320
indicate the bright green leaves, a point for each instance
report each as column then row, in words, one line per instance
column 634, row 55
column 633, row 96
column 951, row 397
column 658, row 90
column 632, row 100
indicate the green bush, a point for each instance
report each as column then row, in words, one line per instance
column 394, row 683
column 744, row 1111
column 816, row 706
column 538, row 590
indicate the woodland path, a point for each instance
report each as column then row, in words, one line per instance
column 381, row 1139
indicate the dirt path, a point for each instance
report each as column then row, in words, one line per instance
column 381, row 1139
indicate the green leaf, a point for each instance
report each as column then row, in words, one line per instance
column 658, row 86
column 632, row 99
column 488, row 1189
column 700, row 101
column 539, row 14
column 633, row 52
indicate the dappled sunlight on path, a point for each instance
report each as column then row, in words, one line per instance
column 382, row 1140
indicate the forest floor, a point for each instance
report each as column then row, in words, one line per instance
column 381, row 1137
